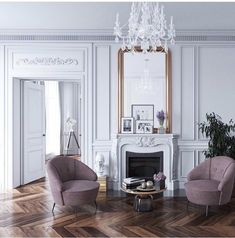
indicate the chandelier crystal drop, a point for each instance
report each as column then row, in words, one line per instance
column 147, row 28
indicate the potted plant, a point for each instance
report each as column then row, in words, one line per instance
column 221, row 141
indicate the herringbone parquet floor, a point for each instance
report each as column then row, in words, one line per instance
column 26, row 212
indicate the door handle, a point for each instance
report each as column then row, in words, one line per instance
column 43, row 134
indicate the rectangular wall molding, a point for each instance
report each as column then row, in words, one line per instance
column 101, row 93
column 187, row 163
column 187, row 92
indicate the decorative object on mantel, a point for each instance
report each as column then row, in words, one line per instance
column 161, row 118
column 144, row 117
column 144, row 127
column 142, row 111
column 147, row 27
column 127, row 125
column 159, row 181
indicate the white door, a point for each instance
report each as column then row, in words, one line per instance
column 33, row 132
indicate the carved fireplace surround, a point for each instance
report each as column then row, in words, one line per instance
column 149, row 143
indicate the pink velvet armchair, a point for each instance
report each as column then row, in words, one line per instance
column 211, row 182
column 71, row 181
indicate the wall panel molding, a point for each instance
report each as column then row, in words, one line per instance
column 187, row 92
column 215, row 73
column 107, row 35
column 187, row 163
column 101, row 89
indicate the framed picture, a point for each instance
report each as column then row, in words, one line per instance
column 142, row 112
column 144, row 126
column 127, row 125
column 148, row 129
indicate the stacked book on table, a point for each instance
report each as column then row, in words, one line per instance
column 132, row 182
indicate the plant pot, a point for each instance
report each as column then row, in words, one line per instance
column 159, row 185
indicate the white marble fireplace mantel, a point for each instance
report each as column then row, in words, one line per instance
column 148, row 143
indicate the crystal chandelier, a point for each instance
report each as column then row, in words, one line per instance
column 147, row 28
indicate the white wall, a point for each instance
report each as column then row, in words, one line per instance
column 202, row 69
column 101, row 15
column 203, row 81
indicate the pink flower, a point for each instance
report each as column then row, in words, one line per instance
column 159, row 176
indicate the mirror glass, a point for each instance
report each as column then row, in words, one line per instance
column 144, row 80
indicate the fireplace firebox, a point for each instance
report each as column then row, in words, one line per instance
column 143, row 165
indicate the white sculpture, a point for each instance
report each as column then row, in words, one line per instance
column 99, row 163
column 70, row 123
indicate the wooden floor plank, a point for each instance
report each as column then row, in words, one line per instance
column 26, row 212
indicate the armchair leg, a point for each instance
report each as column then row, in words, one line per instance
column 187, row 205
column 53, row 208
column 95, row 206
column 207, row 209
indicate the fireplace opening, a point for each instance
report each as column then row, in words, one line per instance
column 143, row 165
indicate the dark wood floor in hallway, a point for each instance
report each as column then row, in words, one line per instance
column 26, row 212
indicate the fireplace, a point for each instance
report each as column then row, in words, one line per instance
column 146, row 146
column 143, row 165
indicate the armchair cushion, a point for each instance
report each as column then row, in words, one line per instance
column 79, row 191
column 203, row 192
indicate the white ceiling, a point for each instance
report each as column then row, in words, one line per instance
column 77, row 15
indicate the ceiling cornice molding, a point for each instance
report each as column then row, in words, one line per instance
column 107, row 35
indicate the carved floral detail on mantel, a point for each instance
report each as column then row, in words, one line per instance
column 147, row 141
column 47, row 61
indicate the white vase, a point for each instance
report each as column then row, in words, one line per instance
column 161, row 129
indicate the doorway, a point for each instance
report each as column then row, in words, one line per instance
column 51, row 124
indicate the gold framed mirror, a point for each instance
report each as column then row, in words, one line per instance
column 144, row 79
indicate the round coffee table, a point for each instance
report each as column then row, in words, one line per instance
column 143, row 199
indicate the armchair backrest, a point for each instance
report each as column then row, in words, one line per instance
column 70, row 169
column 214, row 168
column 219, row 165
column 64, row 167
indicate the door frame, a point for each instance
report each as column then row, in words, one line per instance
column 21, row 61
column 18, row 121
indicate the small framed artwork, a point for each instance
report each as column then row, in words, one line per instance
column 144, row 126
column 148, row 129
column 127, row 125
column 142, row 112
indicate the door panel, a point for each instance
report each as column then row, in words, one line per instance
column 34, row 130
